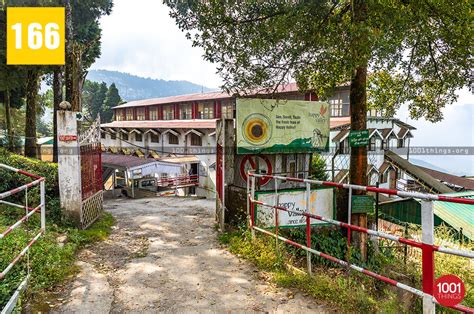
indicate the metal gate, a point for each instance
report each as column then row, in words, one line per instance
column 91, row 174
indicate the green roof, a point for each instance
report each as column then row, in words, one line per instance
column 457, row 215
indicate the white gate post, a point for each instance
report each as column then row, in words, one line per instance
column 69, row 166
column 427, row 238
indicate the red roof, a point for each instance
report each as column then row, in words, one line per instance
column 335, row 122
column 163, row 124
column 287, row 88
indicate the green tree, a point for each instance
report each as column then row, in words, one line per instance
column 318, row 169
column 93, row 97
column 323, row 43
column 113, row 99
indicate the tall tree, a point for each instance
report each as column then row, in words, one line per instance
column 93, row 97
column 113, row 99
column 32, row 87
column 83, row 35
column 323, row 43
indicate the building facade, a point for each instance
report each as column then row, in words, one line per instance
column 186, row 125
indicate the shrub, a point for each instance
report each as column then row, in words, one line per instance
column 47, row 170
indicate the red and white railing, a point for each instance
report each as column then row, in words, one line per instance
column 426, row 245
column 187, row 180
column 28, row 213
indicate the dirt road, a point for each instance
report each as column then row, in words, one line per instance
column 163, row 256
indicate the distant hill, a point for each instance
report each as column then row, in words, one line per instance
column 132, row 87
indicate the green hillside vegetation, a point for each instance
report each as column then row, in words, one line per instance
column 134, row 87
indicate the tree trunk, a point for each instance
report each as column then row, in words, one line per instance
column 32, row 86
column 57, row 98
column 69, row 71
column 358, row 101
column 8, row 122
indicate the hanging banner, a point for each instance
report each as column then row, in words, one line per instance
column 321, row 203
column 282, row 126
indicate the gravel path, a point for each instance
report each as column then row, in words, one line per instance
column 163, row 257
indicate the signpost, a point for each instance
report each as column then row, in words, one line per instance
column 359, row 138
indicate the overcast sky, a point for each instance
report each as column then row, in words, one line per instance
column 140, row 38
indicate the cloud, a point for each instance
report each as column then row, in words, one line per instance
column 140, row 38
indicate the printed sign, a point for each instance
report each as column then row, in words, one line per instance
column 67, row 138
column 362, row 204
column 282, row 126
column 35, row 35
column 359, row 138
column 321, row 203
column 249, row 163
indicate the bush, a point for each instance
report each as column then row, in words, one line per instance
column 47, row 170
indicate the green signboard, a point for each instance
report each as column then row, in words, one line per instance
column 359, row 138
column 362, row 204
column 282, row 126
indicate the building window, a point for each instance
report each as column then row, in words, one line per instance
column 173, row 139
column 284, row 159
column 196, row 140
column 125, row 136
column 138, row 137
column 372, row 143
column 400, row 143
column 102, row 135
column 227, row 110
column 168, row 112
column 340, row 104
column 154, row 138
column 141, row 114
column 118, row 115
column 206, row 111
column 129, row 112
column 186, row 112
column 153, row 113
column 113, row 136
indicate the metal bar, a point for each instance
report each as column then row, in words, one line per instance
column 380, row 234
column 427, row 256
column 43, row 205
column 19, row 222
column 19, row 189
column 363, row 270
column 276, row 203
column 31, row 175
column 10, row 306
column 19, row 256
column 15, row 205
column 377, row 209
column 349, row 220
column 405, row 194
column 252, row 205
column 308, row 228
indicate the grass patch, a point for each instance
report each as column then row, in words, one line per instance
column 51, row 262
column 343, row 290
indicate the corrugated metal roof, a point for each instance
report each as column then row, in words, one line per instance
column 163, row 124
column 449, row 178
column 286, row 88
column 457, row 215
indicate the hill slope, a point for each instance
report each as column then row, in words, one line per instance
column 132, row 87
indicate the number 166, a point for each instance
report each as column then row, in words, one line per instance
column 35, row 36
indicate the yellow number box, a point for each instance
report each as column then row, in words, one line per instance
column 35, row 36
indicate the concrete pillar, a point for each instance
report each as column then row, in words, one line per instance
column 69, row 166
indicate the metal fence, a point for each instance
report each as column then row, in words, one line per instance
column 426, row 245
column 29, row 211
